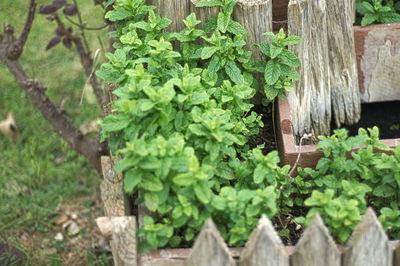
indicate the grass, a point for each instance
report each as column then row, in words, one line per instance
column 40, row 176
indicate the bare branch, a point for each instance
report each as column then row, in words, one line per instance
column 28, row 24
column 91, row 149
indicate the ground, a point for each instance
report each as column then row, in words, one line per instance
column 45, row 185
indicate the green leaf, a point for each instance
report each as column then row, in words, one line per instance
column 207, row 52
column 265, row 49
column 185, row 179
column 118, row 14
column 131, row 179
column 223, row 21
column 259, row 174
column 112, row 123
column 369, row 19
column 275, row 51
column 198, row 130
column 272, row 72
column 289, row 58
column 198, row 98
column 151, row 201
column 234, row 73
column 209, row 3
column 151, row 183
column 202, row 192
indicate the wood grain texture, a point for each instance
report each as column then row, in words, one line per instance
column 316, row 247
column 256, row 17
column 343, row 75
column 368, row 245
column 264, row 247
column 115, row 201
column 396, row 257
column 203, row 13
column 310, row 100
column 175, row 10
column 123, row 243
column 210, row 249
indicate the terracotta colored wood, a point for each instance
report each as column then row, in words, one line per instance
column 288, row 148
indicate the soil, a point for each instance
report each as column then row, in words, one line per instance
column 384, row 115
column 266, row 135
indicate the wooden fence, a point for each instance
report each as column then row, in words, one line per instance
column 368, row 246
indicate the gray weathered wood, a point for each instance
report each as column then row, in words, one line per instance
column 316, row 247
column 123, row 243
column 310, row 100
column 343, row 75
column 396, row 257
column 115, row 201
column 203, row 13
column 256, row 18
column 210, row 249
column 368, row 244
column 175, row 10
column 381, row 65
column 264, row 247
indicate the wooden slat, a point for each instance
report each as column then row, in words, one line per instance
column 256, row 18
column 343, row 63
column 210, row 249
column 310, row 100
column 175, row 10
column 264, row 247
column 396, row 257
column 368, row 244
column 115, row 201
column 203, row 13
column 316, row 247
column 123, row 243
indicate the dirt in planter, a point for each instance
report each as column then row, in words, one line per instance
column 384, row 115
column 266, row 135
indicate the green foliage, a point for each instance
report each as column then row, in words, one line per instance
column 279, row 71
column 348, row 181
column 183, row 118
column 377, row 12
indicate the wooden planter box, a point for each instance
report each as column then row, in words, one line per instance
column 378, row 62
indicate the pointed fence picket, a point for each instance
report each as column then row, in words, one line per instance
column 368, row 246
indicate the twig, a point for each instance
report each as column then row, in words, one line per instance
column 28, row 24
column 84, row 27
column 304, row 137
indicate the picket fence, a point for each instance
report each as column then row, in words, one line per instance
column 368, row 246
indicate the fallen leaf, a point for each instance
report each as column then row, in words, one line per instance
column 9, row 128
column 61, row 219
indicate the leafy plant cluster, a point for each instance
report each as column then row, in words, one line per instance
column 345, row 182
column 377, row 12
column 183, row 118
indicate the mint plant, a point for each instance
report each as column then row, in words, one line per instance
column 377, row 12
column 280, row 70
column 341, row 188
column 181, row 123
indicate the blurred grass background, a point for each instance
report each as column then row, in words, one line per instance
column 40, row 174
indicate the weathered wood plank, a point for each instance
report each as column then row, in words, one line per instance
column 123, row 243
column 310, row 100
column 203, row 13
column 368, row 245
column 396, row 257
column 279, row 14
column 264, row 247
column 256, row 18
column 316, row 247
column 115, row 201
column 175, row 10
column 343, row 74
column 209, row 248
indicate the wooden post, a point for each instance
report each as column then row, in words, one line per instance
column 396, row 258
column 264, row 247
column 116, row 202
column 310, row 100
column 368, row 244
column 256, row 18
column 175, row 10
column 343, row 64
column 316, row 247
column 204, row 13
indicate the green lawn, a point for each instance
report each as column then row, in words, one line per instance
column 40, row 176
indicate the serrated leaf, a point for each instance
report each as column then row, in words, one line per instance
column 234, row 73
column 209, row 3
column 112, row 123
column 151, row 183
column 223, row 22
column 185, row 179
column 272, row 72
column 274, row 51
column 151, row 201
column 131, row 179
column 203, row 192
column 207, row 52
